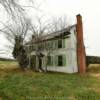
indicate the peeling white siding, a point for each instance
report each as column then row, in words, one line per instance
column 71, row 55
column 70, row 51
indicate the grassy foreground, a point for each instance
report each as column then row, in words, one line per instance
column 18, row 85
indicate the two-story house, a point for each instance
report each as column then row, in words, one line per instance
column 62, row 51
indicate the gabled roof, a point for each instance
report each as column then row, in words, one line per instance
column 57, row 34
column 65, row 31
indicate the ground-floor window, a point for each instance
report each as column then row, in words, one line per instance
column 49, row 60
column 61, row 60
column 58, row 60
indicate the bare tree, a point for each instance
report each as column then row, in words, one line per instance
column 14, row 8
column 40, row 30
column 16, row 33
column 16, row 30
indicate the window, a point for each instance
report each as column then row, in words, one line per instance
column 59, row 43
column 33, row 47
column 49, row 45
column 49, row 60
column 41, row 46
column 60, row 60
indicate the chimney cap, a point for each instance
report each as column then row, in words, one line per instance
column 78, row 15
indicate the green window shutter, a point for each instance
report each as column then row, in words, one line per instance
column 46, row 46
column 56, row 60
column 64, row 60
column 52, row 44
column 64, row 43
column 49, row 44
column 51, row 60
column 53, row 63
column 56, row 44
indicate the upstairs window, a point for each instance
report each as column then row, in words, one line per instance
column 59, row 43
column 49, row 45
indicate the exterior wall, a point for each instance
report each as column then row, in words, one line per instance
column 73, row 50
column 69, row 51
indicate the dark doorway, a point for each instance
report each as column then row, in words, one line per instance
column 33, row 62
column 40, row 63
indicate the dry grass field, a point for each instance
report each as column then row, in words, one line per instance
column 16, row 84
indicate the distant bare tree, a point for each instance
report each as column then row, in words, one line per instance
column 58, row 23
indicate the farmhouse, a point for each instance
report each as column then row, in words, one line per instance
column 62, row 51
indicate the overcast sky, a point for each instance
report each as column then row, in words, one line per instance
column 90, row 11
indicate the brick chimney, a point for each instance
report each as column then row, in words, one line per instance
column 81, row 56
